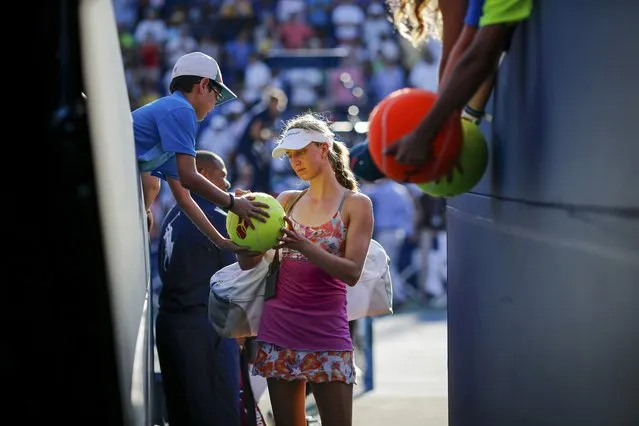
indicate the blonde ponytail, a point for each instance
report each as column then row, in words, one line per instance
column 339, row 159
column 417, row 20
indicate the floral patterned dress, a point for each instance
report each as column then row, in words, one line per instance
column 283, row 357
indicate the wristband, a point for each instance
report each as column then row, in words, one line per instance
column 474, row 112
column 232, row 202
column 472, row 115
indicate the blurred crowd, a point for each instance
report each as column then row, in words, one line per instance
column 283, row 57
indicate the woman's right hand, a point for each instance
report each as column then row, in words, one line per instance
column 247, row 208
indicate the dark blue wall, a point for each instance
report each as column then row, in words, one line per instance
column 544, row 254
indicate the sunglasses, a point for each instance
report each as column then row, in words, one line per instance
column 214, row 87
column 217, row 89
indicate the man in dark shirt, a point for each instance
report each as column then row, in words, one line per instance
column 200, row 370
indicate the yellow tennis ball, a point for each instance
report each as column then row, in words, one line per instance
column 468, row 171
column 265, row 234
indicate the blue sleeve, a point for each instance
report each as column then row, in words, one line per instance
column 177, row 131
column 166, row 170
column 474, row 12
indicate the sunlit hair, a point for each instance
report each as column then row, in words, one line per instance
column 338, row 155
column 417, row 20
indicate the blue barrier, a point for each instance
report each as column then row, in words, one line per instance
column 368, row 354
column 305, row 58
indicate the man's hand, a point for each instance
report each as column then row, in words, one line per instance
column 413, row 149
column 230, row 245
column 247, row 208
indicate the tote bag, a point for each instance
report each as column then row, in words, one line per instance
column 373, row 294
column 236, row 298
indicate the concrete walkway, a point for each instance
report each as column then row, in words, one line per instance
column 410, row 364
column 410, row 381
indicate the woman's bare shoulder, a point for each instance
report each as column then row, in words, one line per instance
column 357, row 203
column 358, row 199
column 286, row 197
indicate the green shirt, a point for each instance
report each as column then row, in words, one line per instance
column 505, row 11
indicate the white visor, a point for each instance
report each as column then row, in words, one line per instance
column 295, row 139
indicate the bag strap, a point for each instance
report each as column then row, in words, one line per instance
column 287, row 209
column 289, row 206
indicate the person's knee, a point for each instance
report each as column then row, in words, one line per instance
column 151, row 188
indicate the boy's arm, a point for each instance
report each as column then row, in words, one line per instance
column 476, row 64
column 193, row 211
column 194, row 181
column 191, row 180
column 177, row 133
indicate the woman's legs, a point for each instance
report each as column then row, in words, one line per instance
column 334, row 402
column 288, row 402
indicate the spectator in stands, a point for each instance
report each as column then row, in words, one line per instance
column 180, row 45
column 348, row 19
column 394, row 210
column 253, row 145
column 425, row 73
column 295, row 32
column 432, row 240
column 319, row 17
column 257, row 77
column 151, row 26
column 375, row 25
column 388, row 78
column 237, row 8
column 150, row 53
column 241, row 49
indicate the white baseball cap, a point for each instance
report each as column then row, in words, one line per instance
column 295, row 139
column 202, row 65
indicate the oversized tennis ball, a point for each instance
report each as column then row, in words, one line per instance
column 468, row 170
column 400, row 113
column 265, row 234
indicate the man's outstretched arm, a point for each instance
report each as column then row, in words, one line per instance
column 476, row 64
column 474, row 67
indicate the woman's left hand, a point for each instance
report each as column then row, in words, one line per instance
column 290, row 239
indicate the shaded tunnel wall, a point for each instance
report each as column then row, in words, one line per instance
column 543, row 261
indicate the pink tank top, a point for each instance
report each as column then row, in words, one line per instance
column 308, row 312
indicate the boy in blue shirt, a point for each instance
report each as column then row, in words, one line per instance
column 164, row 132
